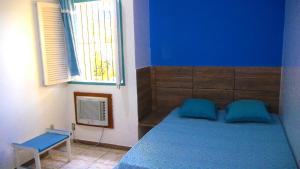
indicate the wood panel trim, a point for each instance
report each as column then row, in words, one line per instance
column 144, row 91
column 236, row 83
column 258, row 78
column 220, row 96
column 213, row 78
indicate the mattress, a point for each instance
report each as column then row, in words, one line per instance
column 186, row 143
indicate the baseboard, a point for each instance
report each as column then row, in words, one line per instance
column 105, row 145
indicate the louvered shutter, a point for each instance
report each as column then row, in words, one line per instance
column 52, row 40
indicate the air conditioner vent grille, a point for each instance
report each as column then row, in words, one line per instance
column 93, row 109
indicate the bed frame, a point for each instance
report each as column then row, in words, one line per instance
column 162, row 88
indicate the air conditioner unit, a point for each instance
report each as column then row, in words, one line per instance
column 93, row 109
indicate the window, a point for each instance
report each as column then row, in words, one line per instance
column 86, row 36
column 98, row 40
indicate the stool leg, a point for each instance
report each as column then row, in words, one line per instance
column 16, row 158
column 37, row 160
column 68, row 144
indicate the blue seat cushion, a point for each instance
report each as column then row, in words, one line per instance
column 45, row 141
column 247, row 111
column 199, row 108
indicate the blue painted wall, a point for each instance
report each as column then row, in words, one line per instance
column 142, row 33
column 216, row 32
column 290, row 93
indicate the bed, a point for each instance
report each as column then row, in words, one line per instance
column 186, row 143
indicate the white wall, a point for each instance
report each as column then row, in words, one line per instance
column 26, row 107
column 142, row 33
column 290, row 93
column 125, row 130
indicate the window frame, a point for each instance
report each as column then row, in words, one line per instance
column 120, row 30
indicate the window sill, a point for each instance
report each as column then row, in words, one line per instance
column 94, row 83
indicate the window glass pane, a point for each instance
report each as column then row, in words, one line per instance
column 96, row 27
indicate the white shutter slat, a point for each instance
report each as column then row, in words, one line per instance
column 52, row 40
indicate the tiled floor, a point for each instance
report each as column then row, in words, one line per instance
column 83, row 157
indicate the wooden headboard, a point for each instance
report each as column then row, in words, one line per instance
column 170, row 86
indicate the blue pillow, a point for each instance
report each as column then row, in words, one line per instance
column 247, row 111
column 198, row 108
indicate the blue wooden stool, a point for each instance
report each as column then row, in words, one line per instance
column 43, row 143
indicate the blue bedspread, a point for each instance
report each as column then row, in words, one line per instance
column 185, row 143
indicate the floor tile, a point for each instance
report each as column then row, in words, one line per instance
column 101, row 166
column 118, row 151
column 48, row 163
column 89, row 155
column 110, row 158
column 99, row 148
column 58, row 156
column 52, row 164
column 77, row 164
